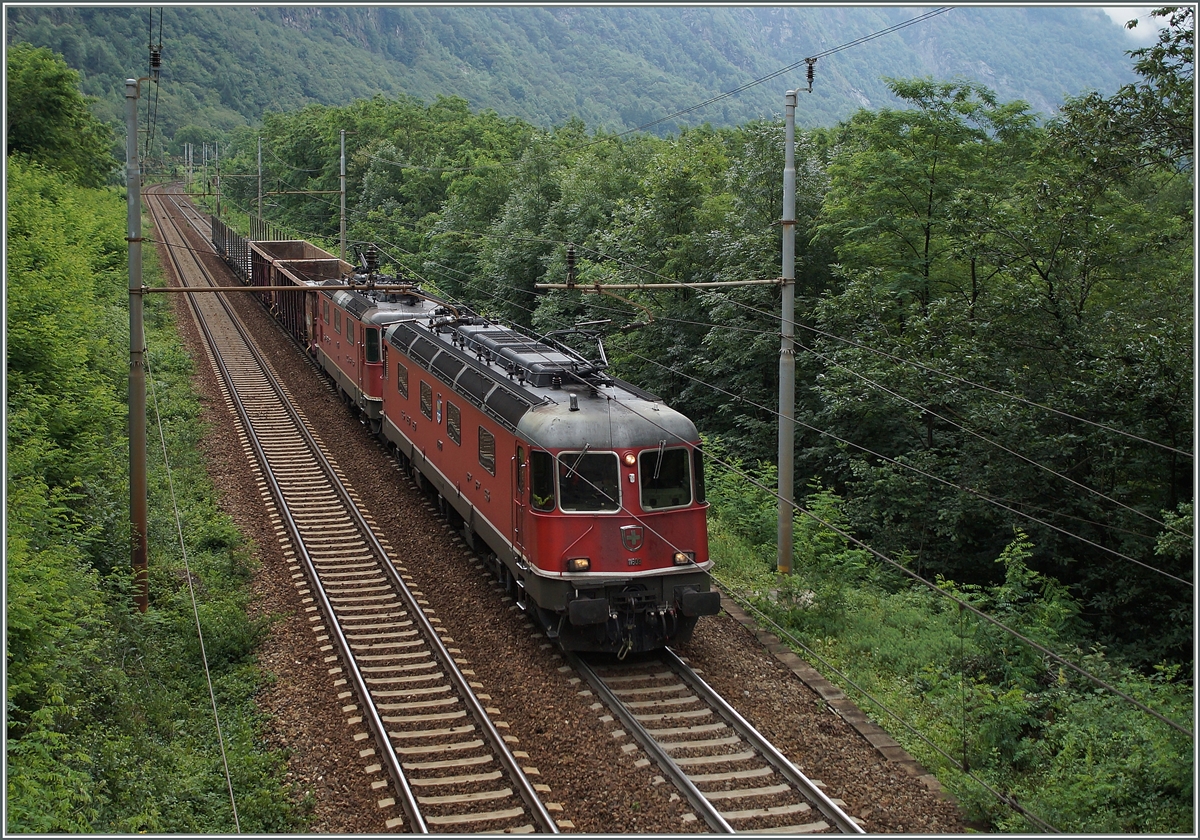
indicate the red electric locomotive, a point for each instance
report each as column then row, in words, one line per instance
column 587, row 491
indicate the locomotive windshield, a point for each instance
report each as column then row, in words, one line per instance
column 666, row 478
column 588, row 481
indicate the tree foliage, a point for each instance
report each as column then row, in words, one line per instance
column 109, row 728
column 50, row 121
column 615, row 67
column 1150, row 122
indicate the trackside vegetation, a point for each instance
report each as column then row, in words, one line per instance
column 109, row 723
column 993, row 711
column 995, row 325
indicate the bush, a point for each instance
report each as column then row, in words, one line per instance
column 1080, row 758
column 110, row 724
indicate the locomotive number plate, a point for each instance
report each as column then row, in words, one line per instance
column 634, row 561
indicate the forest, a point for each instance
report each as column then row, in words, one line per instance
column 615, row 67
column 994, row 389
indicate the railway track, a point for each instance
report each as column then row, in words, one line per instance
column 733, row 777
column 450, row 767
column 444, row 774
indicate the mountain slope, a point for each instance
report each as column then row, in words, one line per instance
column 615, row 67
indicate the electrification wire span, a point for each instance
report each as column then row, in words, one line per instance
column 952, row 423
column 893, row 394
column 827, row 335
column 997, row 503
column 963, row 605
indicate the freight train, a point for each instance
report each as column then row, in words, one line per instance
column 585, row 492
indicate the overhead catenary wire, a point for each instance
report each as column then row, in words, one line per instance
column 917, row 578
column 982, row 437
column 995, row 793
column 876, row 385
column 818, row 332
column 966, row 430
column 962, row 604
column 982, row 496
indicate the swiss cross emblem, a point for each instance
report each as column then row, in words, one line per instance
column 631, row 537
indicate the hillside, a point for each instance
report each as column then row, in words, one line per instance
column 614, row 67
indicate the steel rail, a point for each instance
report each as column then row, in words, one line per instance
column 518, row 776
column 778, row 760
column 376, row 723
column 707, row 811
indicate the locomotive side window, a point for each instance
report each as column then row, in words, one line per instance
column 350, row 332
column 698, row 469
column 402, row 380
column 520, row 473
column 487, row 450
column 453, row 423
column 588, row 481
column 541, row 479
column 325, row 310
column 426, row 400
column 666, row 478
column 337, row 321
column 371, row 339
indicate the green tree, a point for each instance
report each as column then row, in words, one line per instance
column 49, row 119
column 972, row 242
column 1146, row 123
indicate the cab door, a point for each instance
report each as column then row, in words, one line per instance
column 520, row 479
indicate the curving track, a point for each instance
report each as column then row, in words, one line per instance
column 447, row 759
column 450, row 766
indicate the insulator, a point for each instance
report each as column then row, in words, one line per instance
column 812, row 63
column 372, row 259
column 155, row 61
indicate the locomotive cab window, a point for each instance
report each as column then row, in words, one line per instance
column 520, row 473
column 588, row 481
column 371, row 340
column 402, row 380
column 426, row 400
column 666, row 478
column 541, row 480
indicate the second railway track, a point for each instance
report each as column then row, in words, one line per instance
column 450, row 767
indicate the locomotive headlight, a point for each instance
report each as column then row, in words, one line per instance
column 630, row 459
column 684, row 558
column 578, row 564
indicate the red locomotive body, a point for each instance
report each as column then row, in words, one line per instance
column 587, row 492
